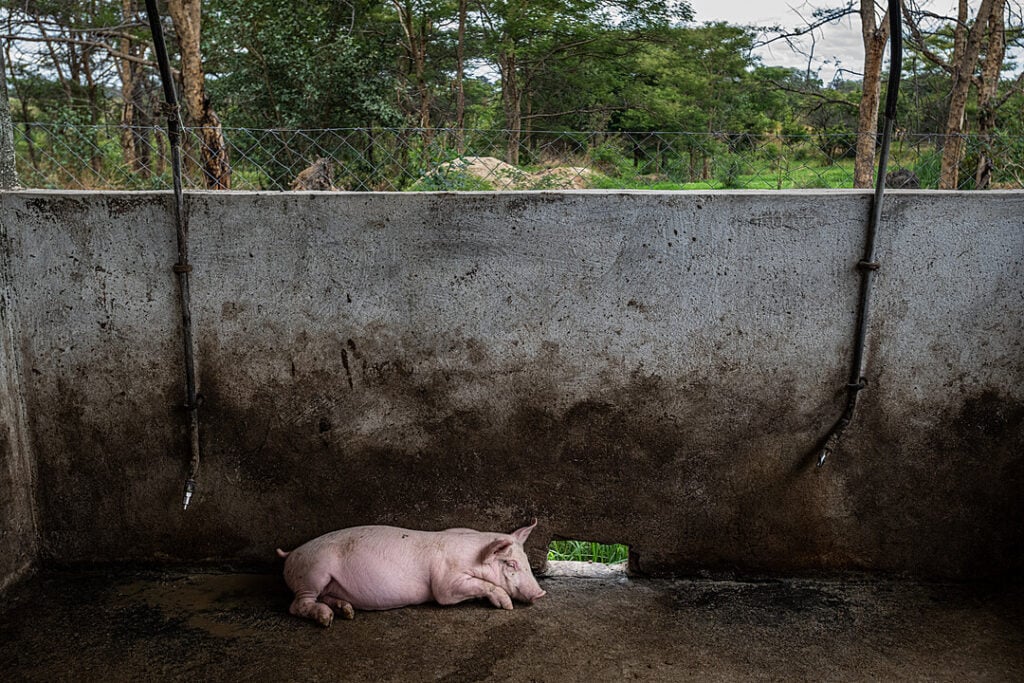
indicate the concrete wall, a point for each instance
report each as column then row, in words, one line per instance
column 18, row 536
column 647, row 368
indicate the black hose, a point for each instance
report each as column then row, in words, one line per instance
column 182, row 267
column 868, row 265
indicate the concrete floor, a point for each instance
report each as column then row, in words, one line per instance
column 236, row 627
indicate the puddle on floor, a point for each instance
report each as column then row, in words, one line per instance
column 223, row 605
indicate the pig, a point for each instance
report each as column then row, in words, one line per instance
column 384, row 567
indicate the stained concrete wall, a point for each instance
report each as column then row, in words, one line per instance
column 18, row 535
column 646, row 368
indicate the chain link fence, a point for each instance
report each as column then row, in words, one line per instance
column 399, row 159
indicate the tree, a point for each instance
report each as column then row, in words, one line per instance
column 460, row 79
column 528, row 37
column 985, row 35
column 8, row 172
column 81, row 47
column 419, row 21
column 964, row 64
column 187, row 19
column 875, row 35
column 700, row 80
column 319, row 64
column 136, row 115
column 315, row 64
column 988, row 89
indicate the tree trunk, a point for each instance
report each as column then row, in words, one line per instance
column 96, row 155
column 421, row 78
column 875, row 38
column 216, row 168
column 130, row 75
column 960, row 30
column 460, row 96
column 963, row 71
column 55, row 60
column 26, row 114
column 417, row 37
column 511, row 102
column 8, row 168
column 527, row 119
column 995, row 52
column 161, row 148
column 128, row 137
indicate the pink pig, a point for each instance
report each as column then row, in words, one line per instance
column 383, row 567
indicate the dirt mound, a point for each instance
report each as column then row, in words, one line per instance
column 504, row 176
column 500, row 175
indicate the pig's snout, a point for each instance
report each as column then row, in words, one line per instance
column 530, row 595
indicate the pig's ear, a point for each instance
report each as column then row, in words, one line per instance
column 495, row 549
column 522, row 534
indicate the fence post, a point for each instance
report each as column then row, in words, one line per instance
column 8, row 171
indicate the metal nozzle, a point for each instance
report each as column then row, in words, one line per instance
column 831, row 443
column 190, row 488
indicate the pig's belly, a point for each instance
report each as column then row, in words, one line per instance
column 376, row 586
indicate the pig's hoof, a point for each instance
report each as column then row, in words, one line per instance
column 339, row 605
column 326, row 618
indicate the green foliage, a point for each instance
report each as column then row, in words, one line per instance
column 927, row 167
column 727, row 169
column 273, row 63
column 567, row 60
column 610, row 159
column 836, row 143
column 695, row 79
column 450, row 176
column 72, row 140
column 588, row 551
column 451, row 181
column 351, row 69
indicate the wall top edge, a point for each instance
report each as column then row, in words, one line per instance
column 695, row 193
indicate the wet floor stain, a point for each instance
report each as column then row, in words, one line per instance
column 153, row 625
column 222, row 605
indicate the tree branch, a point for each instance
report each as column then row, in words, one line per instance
column 113, row 51
column 825, row 99
column 919, row 44
column 1011, row 90
column 593, row 110
column 826, row 17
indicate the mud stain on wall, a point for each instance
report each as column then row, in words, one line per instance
column 549, row 356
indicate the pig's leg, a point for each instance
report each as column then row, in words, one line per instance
column 306, row 605
column 337, row 604
column 468, row 587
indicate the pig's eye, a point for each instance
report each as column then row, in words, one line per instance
column 512, row 564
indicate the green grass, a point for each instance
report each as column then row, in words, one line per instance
column 587, row 551
column 837, row 175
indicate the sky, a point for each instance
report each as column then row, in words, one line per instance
column 835, row 46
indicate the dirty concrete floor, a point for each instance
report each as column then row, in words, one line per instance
column 236, row 627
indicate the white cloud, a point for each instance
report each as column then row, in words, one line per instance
column 838, row 43
column 834, row 45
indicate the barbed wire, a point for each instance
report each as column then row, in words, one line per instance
column 77, row 156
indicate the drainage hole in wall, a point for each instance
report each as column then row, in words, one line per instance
column 587, row 559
